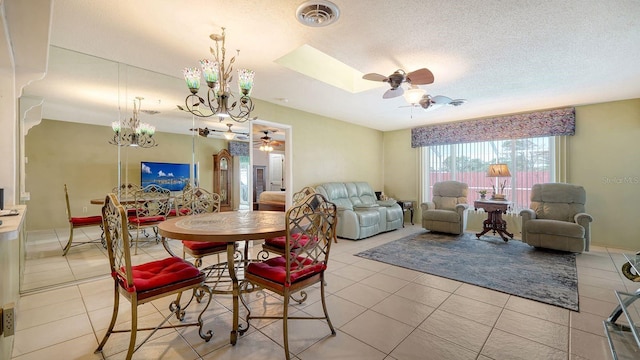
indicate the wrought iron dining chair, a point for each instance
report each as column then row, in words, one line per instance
column 76, row 222
column 276, row 244
column 198, row 201
column 152, row 205
column 148, row 281
column 301, row 266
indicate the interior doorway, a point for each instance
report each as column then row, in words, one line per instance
column 276, row 161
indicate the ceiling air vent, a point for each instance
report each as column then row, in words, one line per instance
column 317, row 13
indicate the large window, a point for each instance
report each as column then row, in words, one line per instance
column 531, row 161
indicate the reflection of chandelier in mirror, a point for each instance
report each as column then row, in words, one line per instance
column 218, row 76
column 133, row 132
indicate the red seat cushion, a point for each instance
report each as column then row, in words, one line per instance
column 160, row 273
column 202, row 245
column 280, row 241
column 87, row 220
column 147, row 219
column 172, row 212
column 275, row 270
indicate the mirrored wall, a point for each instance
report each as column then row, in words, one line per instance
column 80, row 97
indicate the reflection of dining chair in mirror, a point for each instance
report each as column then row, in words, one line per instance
column 177, row 201
column 199, row 201
column 78, row 222
column 126, row 193
column 302, row 265
column 152, row 204
column 148, row 281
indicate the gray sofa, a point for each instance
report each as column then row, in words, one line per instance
column 360, row 214
column 557, row 218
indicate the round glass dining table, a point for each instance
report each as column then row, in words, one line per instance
column 229, row 227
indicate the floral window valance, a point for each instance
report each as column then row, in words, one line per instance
column 555, row 122
column 238, row 148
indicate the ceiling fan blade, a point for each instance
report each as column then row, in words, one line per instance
column 391, row 93
column 420, row 77
column 440, row 99
column 375, row 77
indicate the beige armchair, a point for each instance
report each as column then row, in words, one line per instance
column 557, row 218
column 447, row 212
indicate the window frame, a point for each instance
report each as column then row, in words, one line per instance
column 555, row 158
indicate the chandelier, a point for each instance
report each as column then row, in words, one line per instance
column 218, row 77
column 133, row 132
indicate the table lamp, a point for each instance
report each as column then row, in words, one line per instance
column 498, row 171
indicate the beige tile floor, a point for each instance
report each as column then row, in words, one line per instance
column 379, row 311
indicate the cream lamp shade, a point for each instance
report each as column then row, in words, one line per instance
column 498, row 170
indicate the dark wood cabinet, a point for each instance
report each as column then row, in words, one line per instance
column 223, row 178
column 259, row 183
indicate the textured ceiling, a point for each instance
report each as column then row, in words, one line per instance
column 502, row 56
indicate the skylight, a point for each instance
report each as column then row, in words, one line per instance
column 314, row 63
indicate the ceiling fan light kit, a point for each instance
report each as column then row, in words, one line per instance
column 414, row 95
column 218, row 75
column 266, row 142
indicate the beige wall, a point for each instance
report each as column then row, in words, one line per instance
column 327, row 150
column 401, row 162
column 79, row 155
column 603, row 156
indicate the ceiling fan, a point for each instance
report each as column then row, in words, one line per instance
column 431, row 102
column 229, row 134
column 418, row 77
column 419, row 98
column 266, row 142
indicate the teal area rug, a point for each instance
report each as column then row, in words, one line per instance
column 511, row 267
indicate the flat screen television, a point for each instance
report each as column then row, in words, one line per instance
column 170, row 176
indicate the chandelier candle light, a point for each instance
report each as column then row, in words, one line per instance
column 218, row 77
column 499, row 171
column 132, row 132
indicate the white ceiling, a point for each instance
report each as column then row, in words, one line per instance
column 502, row 56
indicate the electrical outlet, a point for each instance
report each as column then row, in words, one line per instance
column 8, row 320
column 84, row 209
